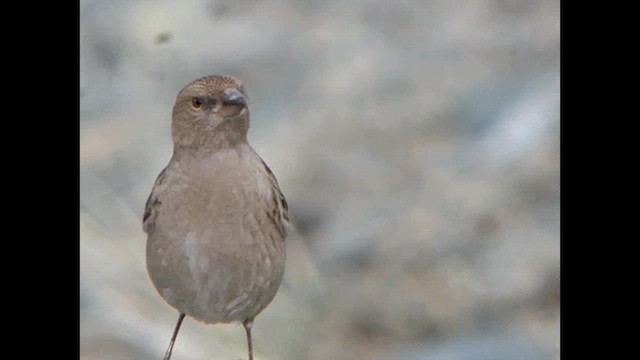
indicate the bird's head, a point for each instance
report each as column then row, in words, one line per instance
column 211, row 112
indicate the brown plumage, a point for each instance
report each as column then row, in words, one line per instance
column 216, row 219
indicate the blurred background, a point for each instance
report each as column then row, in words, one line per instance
column 417, row 143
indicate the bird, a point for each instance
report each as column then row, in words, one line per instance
column 216, row 220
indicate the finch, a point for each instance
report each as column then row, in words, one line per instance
column 215, row 220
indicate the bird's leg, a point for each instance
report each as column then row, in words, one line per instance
column 247, row 328
column 167, row 355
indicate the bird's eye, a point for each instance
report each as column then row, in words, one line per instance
column 196, row 102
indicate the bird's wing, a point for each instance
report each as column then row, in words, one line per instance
column 282, row 208
column 153, row 204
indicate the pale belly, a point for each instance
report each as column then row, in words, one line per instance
column 216, row 287
column 230, row 273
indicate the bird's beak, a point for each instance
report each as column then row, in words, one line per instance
column 234, row 97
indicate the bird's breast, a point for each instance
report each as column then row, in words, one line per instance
column 217, row 253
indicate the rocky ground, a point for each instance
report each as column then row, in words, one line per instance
column 417, row 144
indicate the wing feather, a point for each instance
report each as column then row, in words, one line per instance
column 152, row 205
